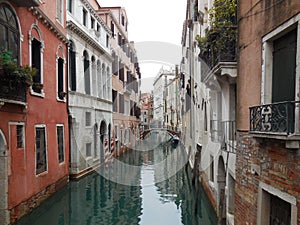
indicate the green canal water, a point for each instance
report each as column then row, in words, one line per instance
column 160, row 193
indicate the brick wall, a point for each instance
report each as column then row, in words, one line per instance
column 272, row 164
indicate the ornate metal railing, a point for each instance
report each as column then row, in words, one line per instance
column 13, row 90
column 277, row 117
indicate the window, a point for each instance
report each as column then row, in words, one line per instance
column 92, row 23
column 84, row 17
column 115, row 100
column 40, row 149
column 87, row 81
column 123, row 20
column 36, row 63
column 121, row 103
column 119, row 39
column 20, row 136
column 70, row 6
column 279, row 76
column 107, row 41
column 88, row 149
column 116, row 131
column 9, row 31
column 212, row 169
column 60, row 11
column 88, row 119
column 112, row 28
column 126, row 107
column 98, row 27
column 72, row 67
column 60, row 78
column 60, row 143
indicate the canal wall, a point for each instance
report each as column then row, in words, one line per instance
column 34, row 201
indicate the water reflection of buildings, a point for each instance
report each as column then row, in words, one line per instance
column 179, row 189
column 91, row 200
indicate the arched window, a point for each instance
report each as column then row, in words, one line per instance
column 87, row 80
column 99, row 81
column 72, row 66
column 9, row 31
column 108, row 83
column 94, row 76
column 103, row 81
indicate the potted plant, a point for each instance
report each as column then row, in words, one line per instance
column 12, row 74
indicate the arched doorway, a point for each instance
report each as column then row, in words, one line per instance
column 221, row 189
column 3, row 179
column 103, row 131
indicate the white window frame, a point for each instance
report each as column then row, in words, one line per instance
column 46, row 146
column 63, row 162
column 60, row 48
column 267, row 57
column 267, row 61
column 40, row 39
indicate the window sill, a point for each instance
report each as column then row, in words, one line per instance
column 33, row 93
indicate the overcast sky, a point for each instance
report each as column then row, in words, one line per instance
column 151, row 22
column 154, row 20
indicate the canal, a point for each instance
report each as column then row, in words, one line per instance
column 140, row 187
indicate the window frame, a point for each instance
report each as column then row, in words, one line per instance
column 70, row 6
column 84, row 17
column 88, row 123
column 42, row 47
column 267, row 62
column 38, row 126
column 16, row 31
column 263, row 203
column 22, row 136
column 63, row 143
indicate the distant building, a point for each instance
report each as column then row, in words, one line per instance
column 126, row 78
column 146, row 104
column 90, row 75
column 159, row 96
column 34, row 135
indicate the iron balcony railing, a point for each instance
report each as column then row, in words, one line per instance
column 13, row 90
column 274, row 118
column 224, row 132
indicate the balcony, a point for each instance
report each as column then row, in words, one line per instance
column 277, row 118
column 224, row 132
column 13, row 91
column 26, row 3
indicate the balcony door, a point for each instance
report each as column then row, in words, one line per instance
column 284, row 67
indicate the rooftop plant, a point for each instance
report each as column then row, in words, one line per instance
column 222, row 34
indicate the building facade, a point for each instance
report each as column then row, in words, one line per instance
column 34, row 140
column 267, row 170
column 208, row 80
column 126, row 78
column 159, row 96
column 89, row 96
